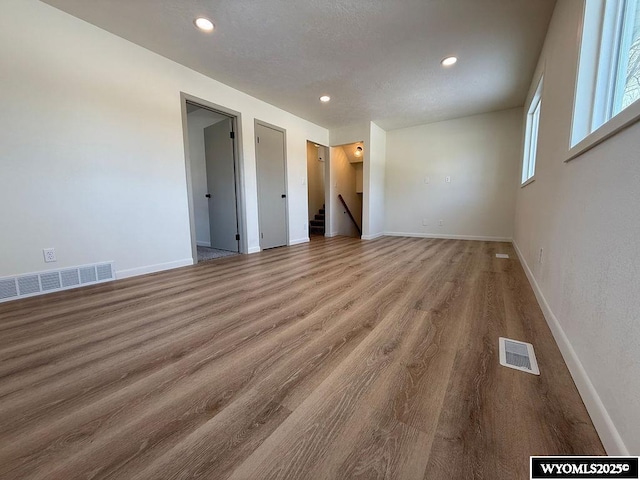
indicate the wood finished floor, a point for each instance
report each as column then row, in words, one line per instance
column 338, row 359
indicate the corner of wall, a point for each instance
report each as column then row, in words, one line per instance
column 298, row 241
column 372, row 236
column 133, row 272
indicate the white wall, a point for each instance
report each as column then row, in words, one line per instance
column 584, row 214
column 374, row 176
column 197, row 122
column 359, row 176
column 481, row 154
column 344, row 178
column 92, row 159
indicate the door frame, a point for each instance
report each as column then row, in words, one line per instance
column 262, row 123
column 236, row 122
column 327, row 184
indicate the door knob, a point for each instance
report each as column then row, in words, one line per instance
column 208, row 195
column 284, row 196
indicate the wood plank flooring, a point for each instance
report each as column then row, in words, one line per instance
column 338, row 359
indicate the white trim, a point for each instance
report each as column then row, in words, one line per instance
column 605, row 29
column 531, row 136
column 531, row 180
column 373, row 236
column 159, row 267
column 298, row 241
column 254, row 249
column 329, row 235
column 605, row 427
column 449, row 237
column 624, row 119
column 203, row 244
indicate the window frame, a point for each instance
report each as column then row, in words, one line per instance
column 531, row 136
column 597, row 97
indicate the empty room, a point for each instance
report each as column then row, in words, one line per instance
column 319, row 239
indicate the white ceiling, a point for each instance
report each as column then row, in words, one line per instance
column 378, row 59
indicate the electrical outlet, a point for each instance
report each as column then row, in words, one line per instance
column 425, row 222
column 440, row 222
column 540, row 256
column 49, row 255
column 447, row 179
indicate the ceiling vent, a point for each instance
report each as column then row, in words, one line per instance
column 28, row 285
column 518, row 355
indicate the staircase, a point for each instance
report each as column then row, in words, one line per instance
column 316, row 226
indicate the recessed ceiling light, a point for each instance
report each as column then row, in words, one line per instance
column 325, row 98
column 447, row 62
column 204, row 24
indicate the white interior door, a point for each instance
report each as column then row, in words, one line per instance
column 221, row 184
column 272, row 201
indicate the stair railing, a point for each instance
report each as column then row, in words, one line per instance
column 350, row 214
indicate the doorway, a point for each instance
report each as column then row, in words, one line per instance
column 347, row 167
column 271, row 164
column 213, row 181
column 316, row 162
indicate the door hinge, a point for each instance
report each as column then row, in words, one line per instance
column 258, row 139
column 262, row 235
column 237, row 236
column 232, row 134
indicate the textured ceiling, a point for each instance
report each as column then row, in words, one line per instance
column 378, row 59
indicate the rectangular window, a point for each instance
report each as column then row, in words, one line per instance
column 531, row 136
column 608, row 81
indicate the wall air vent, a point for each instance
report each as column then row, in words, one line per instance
column 502, row 255
column 31, row 284
column 70, row 278
column 28, row 285
column 518, row 355
column 8, row 289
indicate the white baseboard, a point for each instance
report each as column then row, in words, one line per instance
column 449, row 237
column 299, row 241
column 329, row 235
column 203, row 244
column 133, row 272
column 373, row 236
column 605, row 427
column 254, row 250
